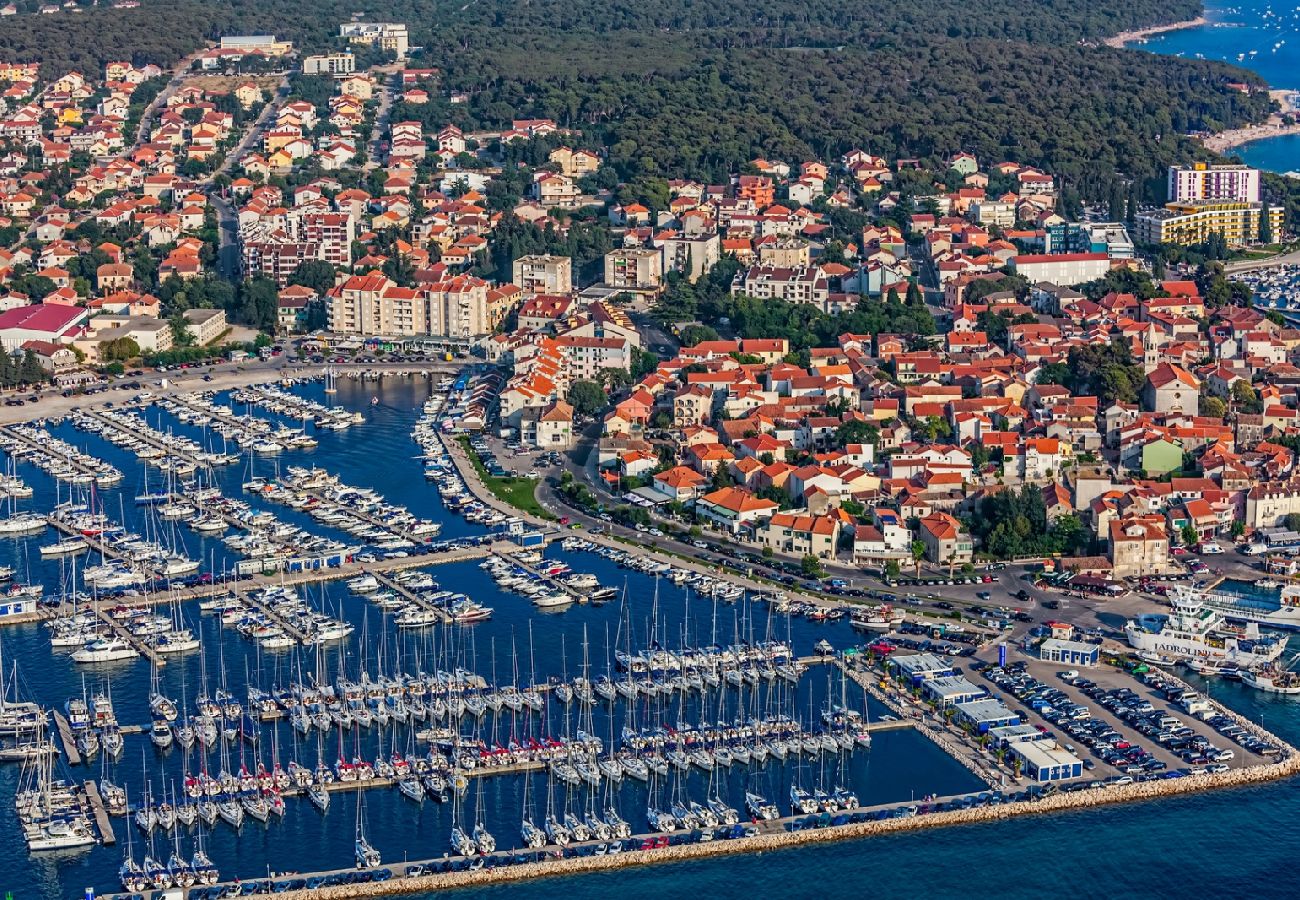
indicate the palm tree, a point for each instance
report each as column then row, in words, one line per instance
column 918, row 554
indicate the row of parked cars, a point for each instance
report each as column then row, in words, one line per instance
column 1076, row 720
column 1224, row 725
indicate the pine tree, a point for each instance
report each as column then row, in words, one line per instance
column 1265, row 225
column 31, row 372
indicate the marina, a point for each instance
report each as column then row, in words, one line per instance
column 569, row 698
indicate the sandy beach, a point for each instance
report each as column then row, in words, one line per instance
column 1224, row 141
column 1127, row 37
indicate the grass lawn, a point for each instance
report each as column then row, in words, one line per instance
column 521, row 493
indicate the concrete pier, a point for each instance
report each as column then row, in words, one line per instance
column 405, row 592
column 46, row 450
column 778, row 835
column 149, row 438
column 140, row 646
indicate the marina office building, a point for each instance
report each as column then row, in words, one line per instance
column 917, row 667
column 984, row 715
column 1070, row 653
column 1043, row 761
column 951, row 690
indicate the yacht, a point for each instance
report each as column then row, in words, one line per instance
column 105, row 650
column 65, row 547
column 1194, row 629
column 23, row 523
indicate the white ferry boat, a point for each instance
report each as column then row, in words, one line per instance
column 1192, row 629
column 1282, row 612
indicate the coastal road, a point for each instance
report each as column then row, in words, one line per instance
column 1253, row 265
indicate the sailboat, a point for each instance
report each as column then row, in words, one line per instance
column 367, row 856
column 131, row 874
column 481, row 837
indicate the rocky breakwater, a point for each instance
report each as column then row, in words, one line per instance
column 1150, row 790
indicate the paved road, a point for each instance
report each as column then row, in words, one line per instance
column 381, row 122
column 1272, row 262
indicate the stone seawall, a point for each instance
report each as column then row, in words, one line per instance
column 1150, row 790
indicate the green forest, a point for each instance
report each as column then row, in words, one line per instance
column 681, row 88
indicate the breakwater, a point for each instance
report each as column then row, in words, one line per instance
column 787, row 839
column 786, row 833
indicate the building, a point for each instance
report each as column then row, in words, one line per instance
column 804, row 284
column 730, row 509
column 918, row 667
column 801, row 535
column 983, row 715
column 634, row 269
column 371, row 305
column 329, row 64
column 949, row 690
column 1005, row 735
column 1111, row 238
column 549, row 428
column 1201, row 181
column 150, row 335
column 692, row 256
column 388, row 35
column 51, row 322
column 206, row 325
column 944, row 540
column 256, row 43
column 1061, row 268
column 1044, row 762
column 1172, row 389
column 1193, row 221
column 543, row 274
column 1069, row 653
column 786, row 253
column 1138, row 546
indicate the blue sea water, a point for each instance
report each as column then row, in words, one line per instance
column 517, row 645
column 1236, row 841
column 1259, row 35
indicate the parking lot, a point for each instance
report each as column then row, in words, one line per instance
column 1122, row 728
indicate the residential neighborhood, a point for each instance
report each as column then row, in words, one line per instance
column 1010, row 382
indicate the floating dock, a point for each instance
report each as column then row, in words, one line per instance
column 70, row 751
column 100, row 814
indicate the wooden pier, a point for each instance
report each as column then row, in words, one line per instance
column 100, row 814
column 70, row 751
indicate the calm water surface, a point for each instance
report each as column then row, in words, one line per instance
column 1258, row 35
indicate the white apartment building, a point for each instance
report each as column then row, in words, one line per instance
column 1201, row 181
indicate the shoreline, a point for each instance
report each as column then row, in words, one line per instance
column 1119, row 41
column 1223, row 141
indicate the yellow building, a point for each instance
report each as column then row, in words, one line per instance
column 1193, row 221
